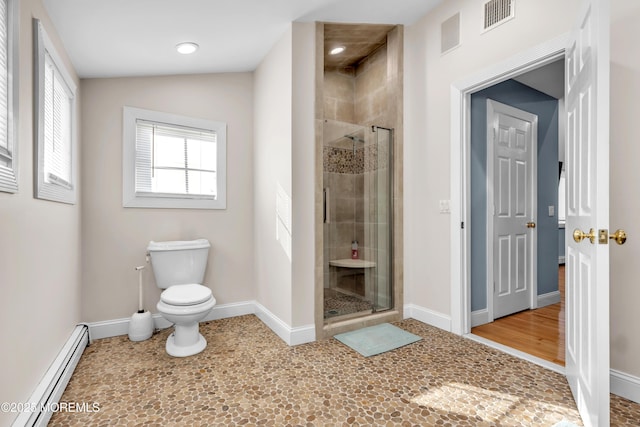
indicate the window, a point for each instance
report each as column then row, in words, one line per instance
column 171, row 161
column 8, row 95
column 55, row 122
column 562, row 188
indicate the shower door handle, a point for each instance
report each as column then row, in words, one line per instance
column 327, row 205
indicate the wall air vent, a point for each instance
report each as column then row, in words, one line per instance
column 497, row 12
column 450, row 33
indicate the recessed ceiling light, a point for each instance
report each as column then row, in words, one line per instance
column 337, row 50
column 187, row 47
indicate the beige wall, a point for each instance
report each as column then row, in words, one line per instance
column 428, row 79
column 272, row 168
column 39, row 252
column 625, row 176
column 284, row 158
column 427, row 165
column 114, row 239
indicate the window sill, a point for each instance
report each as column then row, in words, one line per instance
column 173, row 203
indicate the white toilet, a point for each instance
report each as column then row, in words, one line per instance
column 179, row 268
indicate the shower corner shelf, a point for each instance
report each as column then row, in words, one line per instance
column 352, row 263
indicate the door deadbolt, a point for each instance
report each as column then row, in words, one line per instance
column 620, row 236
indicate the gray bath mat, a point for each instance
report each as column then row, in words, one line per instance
column 377, row 339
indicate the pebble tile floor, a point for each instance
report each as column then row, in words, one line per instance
column 249, row 376
column 338, row 304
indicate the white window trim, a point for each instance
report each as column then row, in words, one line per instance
column 44, row 190
column 131, row 199
column 9, row 175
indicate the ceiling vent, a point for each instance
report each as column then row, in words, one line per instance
column 497, row 12
column 450, row 34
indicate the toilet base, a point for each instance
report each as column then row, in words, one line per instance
column 185, row 350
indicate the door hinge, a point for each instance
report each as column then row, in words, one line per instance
column 462, row 224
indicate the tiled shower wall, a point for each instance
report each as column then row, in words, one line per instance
column 347, row 223
column 355, row 98
column 357, row 95
column 371, row 92
column 357, row 211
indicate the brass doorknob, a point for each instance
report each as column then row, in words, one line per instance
column 620, row 236
column 531, row 224
column 579, row 235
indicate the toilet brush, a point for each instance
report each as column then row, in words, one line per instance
column 141, row 323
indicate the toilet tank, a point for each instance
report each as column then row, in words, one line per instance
column 179, row 262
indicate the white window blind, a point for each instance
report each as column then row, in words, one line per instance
column 55, row 122
column 5, row 149
column 57, row 127
column 8, row 103
column 173, row 159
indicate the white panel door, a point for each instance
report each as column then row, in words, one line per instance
column 587, row 286
column 511, row 198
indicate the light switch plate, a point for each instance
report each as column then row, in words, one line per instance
column 445, row 206
column 552, row 210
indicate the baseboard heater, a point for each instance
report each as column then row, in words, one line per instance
column 54, row 381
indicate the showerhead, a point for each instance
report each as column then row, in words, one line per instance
column 354, row 139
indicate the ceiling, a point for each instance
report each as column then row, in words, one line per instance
column 117, row 38
column 358, row 40
column 548, row 79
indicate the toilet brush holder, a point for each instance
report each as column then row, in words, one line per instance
column 141, row 323
column 140, row 326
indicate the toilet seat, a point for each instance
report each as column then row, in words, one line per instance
column 185, row 310
column 186, row 295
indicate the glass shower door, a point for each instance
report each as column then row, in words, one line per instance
column 357, row 181
column 380, row 225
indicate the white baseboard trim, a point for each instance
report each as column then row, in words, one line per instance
column 111, row 328
column 548, row 299
column 115, row 327
column 54, row 381
column 480, row 317
column 235, row 309
column 625, row 385
column 622, row 384
column 292, row 336
column 427, row 316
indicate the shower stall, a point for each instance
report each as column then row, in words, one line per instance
column 358, row 218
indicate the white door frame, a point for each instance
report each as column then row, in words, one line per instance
column 461, row 91
column 494, row 106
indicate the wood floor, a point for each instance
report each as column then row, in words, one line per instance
column 537, row 332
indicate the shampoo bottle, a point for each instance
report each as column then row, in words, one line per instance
column 354, row 249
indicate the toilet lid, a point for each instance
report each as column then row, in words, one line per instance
column 190, row 294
